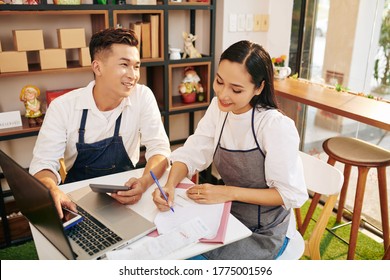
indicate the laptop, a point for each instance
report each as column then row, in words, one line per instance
column 107, row 224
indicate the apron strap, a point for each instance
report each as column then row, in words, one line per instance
column 117, row 125
column 82, row 126
column 220, row 134
column 254, row 133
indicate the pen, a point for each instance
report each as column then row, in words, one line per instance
column 160, row 188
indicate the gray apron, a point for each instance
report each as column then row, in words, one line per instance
column 269, row 224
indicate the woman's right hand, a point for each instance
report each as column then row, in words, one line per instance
column 160, row 201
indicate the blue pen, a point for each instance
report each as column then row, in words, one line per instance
column 160, row 188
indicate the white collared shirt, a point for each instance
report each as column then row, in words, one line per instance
column 277, row 137
column 140, row 125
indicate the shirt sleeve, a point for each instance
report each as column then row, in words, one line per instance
column 153, row 135
column 197, row 151
column 283, row 166
column 51, row 142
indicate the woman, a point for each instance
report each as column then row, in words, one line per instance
column 254, row 148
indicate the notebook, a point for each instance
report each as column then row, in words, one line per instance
column 107, row 224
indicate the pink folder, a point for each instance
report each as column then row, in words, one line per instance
column 220, row 237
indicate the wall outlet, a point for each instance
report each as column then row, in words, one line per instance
column 241, row 22
column 257, row 23
column 233, row 23
column 249, row 22
column 264, row 26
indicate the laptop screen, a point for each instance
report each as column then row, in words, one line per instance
column 36, row 204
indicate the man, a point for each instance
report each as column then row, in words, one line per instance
column 99, row 129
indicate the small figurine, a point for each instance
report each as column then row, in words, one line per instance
column 189, row 49
column 190, row 88
column 29, row 95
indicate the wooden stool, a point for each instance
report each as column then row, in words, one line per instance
column 387, row 254
column 363, row 155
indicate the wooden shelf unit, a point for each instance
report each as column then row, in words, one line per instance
column 159, row 71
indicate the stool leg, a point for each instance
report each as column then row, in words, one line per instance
column 309, row 214
column 331, row 161
column 387, row 254
column 384, row 204
column 357, row 210
column 343, row 193
column 298, row 217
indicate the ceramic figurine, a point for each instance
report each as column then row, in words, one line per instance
column 190, row 88
column 189, row 49
column 29, row 96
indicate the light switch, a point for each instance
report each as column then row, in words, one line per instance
column 264, row 23
column 249, row 22
column 241, row 22
column 233, row 23
column 257, row 23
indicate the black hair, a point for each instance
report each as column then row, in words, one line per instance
column 102, row 40
column 258, row 63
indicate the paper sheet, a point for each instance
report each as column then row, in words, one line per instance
column 157, row 247
column 186, row 209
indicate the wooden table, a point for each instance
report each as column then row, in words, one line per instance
column 362, row 109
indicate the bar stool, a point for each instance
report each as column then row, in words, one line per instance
column 363, row 155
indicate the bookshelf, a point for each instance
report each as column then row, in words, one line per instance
column 160, row 73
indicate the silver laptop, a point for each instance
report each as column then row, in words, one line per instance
column 107, row 224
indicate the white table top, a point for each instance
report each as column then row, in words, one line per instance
column 235, row 229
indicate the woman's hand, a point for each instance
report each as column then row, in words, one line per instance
column 160, row 201
column 133, row 195
column 209, row 194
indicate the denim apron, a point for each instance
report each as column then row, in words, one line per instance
column 269, row 224
column 105, row 157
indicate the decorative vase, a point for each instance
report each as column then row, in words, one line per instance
column 189, row 97
column 174, row 53
column 281, row 72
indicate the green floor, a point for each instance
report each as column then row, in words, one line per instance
column 332, row 248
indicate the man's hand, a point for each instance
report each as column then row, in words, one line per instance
column 133, row 195
column 59, row 197
column 61, row 200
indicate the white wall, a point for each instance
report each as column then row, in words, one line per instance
column 276, row 40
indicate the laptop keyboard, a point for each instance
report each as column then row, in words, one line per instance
column 91, row 235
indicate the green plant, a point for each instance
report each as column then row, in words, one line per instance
column 384, row 43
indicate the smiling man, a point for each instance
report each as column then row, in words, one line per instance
column 99, row 129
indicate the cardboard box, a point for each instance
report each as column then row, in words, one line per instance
column 28, row 40
column 84, row 57
column 13, row 62
column 52, row 59
column 71, row 38
column 53, row 94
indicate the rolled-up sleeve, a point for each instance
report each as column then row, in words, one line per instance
column 153, row 135
column 283, row 166
column 197, row 151
column 51, row 142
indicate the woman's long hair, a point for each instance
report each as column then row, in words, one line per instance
column 258, row 63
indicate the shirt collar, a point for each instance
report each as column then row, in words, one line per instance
column 87, row 101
